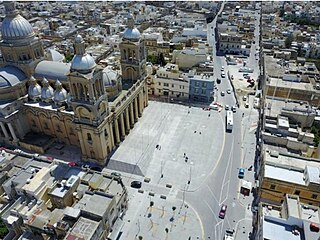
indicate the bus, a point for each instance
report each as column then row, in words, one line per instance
column 229, row 121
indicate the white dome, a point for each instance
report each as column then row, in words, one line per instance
column 131, row 34
column 34, row 89
column 47, row 91
column 83, row 62
column 14, row 26
column 60, row 94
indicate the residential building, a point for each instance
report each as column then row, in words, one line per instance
column 292, row 220
column 232, row 43
column 73, row 203
column 284, row 173
column 201, row 87
column 189, row 57
column 169, row 82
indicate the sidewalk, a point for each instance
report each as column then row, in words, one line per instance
column 249, row 126
column 167, row 219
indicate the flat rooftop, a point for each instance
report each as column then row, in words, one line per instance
column 274, row 106
column 278, row 231
column 284, row 174
column 84, row 228
column 290, row 161
column 279, row 83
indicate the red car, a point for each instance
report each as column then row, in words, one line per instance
column 222, row 212
column 72, row 164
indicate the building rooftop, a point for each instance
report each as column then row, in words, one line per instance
column 84, row 228
column 284, row 174
column 94, row 203
column 278, row 231
column 290, row 161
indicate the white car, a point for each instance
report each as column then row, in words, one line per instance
column 223, row 75
column 222, row 68
column 227, row 107
column 222, row 93
column 229, row 91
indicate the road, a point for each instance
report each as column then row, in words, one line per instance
column 222, row 185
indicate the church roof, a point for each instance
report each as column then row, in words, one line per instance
column 11, row 76
column 52, row 70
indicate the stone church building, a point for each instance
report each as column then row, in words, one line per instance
column 78, row 103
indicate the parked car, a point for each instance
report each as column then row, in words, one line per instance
column 222, row 93
column 136, row 184
column 96, row 168
column 229, row 91
column 115, row 174
column 218, row 80
column 234, row 109
column 222, row 68
column 241, row 173
column 72, row 164
column 244, row 98
column 223, row 75
column 223, row 211
column 227, row 107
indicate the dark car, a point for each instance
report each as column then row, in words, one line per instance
column 96, row 168
column 115, row 174
column 223, row 210
column 136, row 184
column 241, row 173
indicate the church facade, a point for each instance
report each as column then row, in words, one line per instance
column 67, row 102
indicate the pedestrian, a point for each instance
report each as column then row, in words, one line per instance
column 195, row 131
column 200, row 133
column 209, row 115
column 184, row 154
column 157, row 146
column 188, row 111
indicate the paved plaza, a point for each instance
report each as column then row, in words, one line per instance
column 189, row 140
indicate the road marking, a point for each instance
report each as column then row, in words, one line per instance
column 225, row 174
column 201, row 225
column 212, row 194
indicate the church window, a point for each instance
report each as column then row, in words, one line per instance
column 89, row 138
column 46, row 125
column 106, row 133
column 58, row 128
column 124, row 54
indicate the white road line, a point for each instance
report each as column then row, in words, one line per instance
column 225, row 174
column 212, row 194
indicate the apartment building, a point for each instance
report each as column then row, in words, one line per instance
column 169, row 82
column 284, row 173
column 292, row 220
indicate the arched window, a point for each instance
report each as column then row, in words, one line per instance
column 89, row 138
column 106, row 133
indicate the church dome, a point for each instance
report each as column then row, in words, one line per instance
column 131, row 33
column 14, row 26
column 47, row 91
column 34, row 90
column 60, row 95
column 81, row 62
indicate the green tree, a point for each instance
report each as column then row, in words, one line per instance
column 288, row 41
column 153, row 59
column 3, row 229
column 68, row 57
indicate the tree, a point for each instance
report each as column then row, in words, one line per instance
column 288, row 41
column 161, row 60
column 3, row 229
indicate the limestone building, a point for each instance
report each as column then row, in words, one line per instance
column 43, row 101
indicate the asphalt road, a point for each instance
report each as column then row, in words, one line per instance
column 222, row 185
